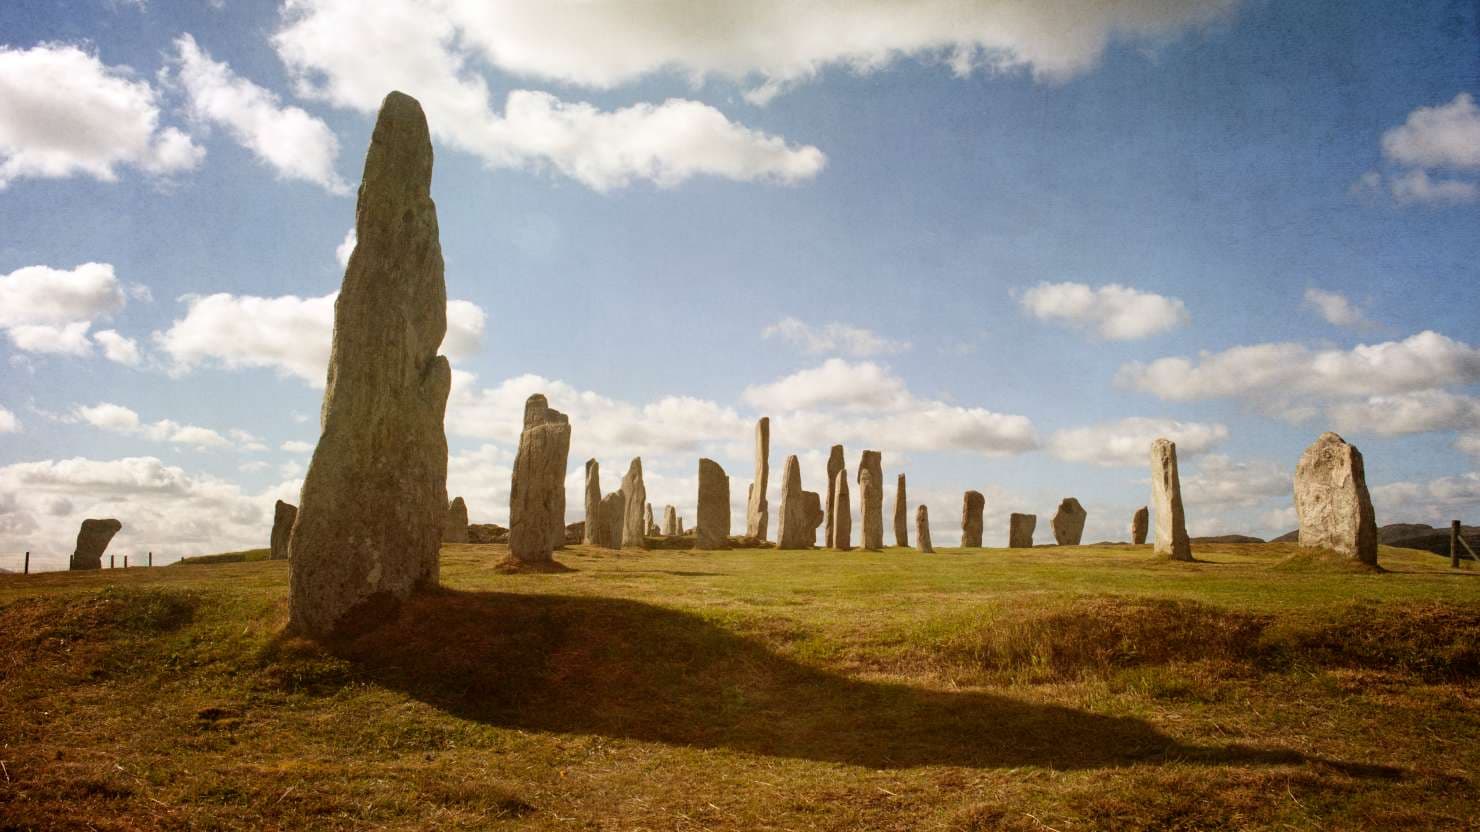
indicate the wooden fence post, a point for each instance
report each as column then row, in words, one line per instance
column 151, row 558
column 110, row 561
column 125, row 561
column 26, row 570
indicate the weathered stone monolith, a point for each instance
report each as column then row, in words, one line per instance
column 1166, row 496
column 901, row 514
column 972, row 505
column 670, row 522
column 842, row 513
column 1140, row 521
column 1068, row 522
column 713, row 523
column 537, row 412
column 92, row 540
column 283, row 515
column 794, row 529
column 922, row 530
column 871, row 500
column 757, row 513
column 537, row 495
column 1332, row 501
column 835, row 463
column 638, row 515
column 456, row 530
column 652, row 524
column 815, row 514
column 591, row 535
column 1020, row 530
column 374, row 500
column 613, row 515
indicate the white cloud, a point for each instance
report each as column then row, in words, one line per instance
column 1436, row 501
column 47, row 310
column 836, row 338
column 1446, row 136
column 295, row 446
column 835, row 383
column 295, row 144
column 8, row 422
column 1127, row 443
column 1403, row 413
column 64, row 113
column 117, row 348
column 290, row 334
column 1468, row 443
column 1218, row 481
column 120, row 419
column 346, row 248
column 1416, row 186
column 67, row 339
column 1113, row 312
column 1335, row 308
column 350, row 54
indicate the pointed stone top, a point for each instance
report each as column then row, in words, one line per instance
column 400, row 156
column 537, row 411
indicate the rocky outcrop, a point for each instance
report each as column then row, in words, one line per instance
column 713, row 522
column 1068, row 522
column 485, row 533
column 1332, row 501
column 613, row 518
column 374, row 500
column 1166, row 498
column 637, row 516
column 842, row 513
column 972, row 505
column 1140, row 522
column 1020, row 530
column 670, row 522
column 922, row 530
column 537, row 495
column 92, row 541
column 794, row 529
column 901, row 514
column 757, row 513
column 871, row 499
column 592, row 531
column 456, row 530
column 835, row 463
column 283, row 515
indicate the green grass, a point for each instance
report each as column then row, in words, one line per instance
column 1083, row 688
column 244, row 556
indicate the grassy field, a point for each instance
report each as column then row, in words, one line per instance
column 1091, row 688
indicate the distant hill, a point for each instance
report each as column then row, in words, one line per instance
column 1419, row 536
column 1228, row 538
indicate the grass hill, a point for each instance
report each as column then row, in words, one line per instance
column 1068, row 688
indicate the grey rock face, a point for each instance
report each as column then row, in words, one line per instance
column 794, row 529
column 613, row 515
column 901, row 514
column 1140, row 522
column 374, row 501
column 670, row 522
column 1332, row 501
column 591, row 534
column 1068, row 522
column 713, row 530
column 1020, row 530
column 835, row 464
column 842, row 513
column 638, row 515
column 1166, row 496
column 757, row 514
column 972, row 505
column 92, row 541
column 283, row 515
column 871, row 500
column 456, row 530
column 537, row 496
column 922, row 529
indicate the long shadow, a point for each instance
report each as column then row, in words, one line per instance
column 620, row 668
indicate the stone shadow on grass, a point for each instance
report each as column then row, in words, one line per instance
column 620, row 668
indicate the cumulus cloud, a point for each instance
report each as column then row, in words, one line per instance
column 1416, row 186
column 47, row 310
column 349, row 54
column 1127, row 443
column 1439, row 138
column 293, row 143
column 837, row 338
column 1113, row 312
column 289, row 334
column 296, row 446
column 64, row 113
column 120, row 419
column 8, row 422
column 1219, row 481
column 1436, row 501
column 117, row 348
column 1335, row 308
column 835, row 383
column 1403, row 413
column 346, row 247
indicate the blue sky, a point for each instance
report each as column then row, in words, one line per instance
column 1005, row 245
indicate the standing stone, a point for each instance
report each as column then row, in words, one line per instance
column 92, row 540
column 834, row 465
column 1020, row 530
column 670, row 522
column 871, row 499
column 1139, row 523
column 901, row 514
column 638, row 515
column 757, row 513
column 537, row 496
column 456, row 530
column 283, row 515
column 815, row 515
column 972, row 505
column 652, row 525
column 591, row 535
column 794, row 529
column 713, row 530
column 1166, row 496
column 374, row 501
column 1332, row 501
column 922, row 530
column 613, row 512
column 842, row 513
column 1068, row 522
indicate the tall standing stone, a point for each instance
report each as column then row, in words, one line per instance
column 842, row 513
column 670, row 522
column 871, row 499
column 638, row 515
column 283, row 515
column 93, row 538
column 815, row 515
column 591, row 535
column 794, row 529
column 537, row 495
column 647, row 519
column 1020, row 530
column 1068, row 522
column 713, row 521
column 922, row 529
column 456, row 530
column 901, row 514
column 374, row 501
column 835, row 463
column 1166, row 495
column 613, row 515
column 1140, row 521
column 1332, row 501
column 757, row 513
column 972, row 506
